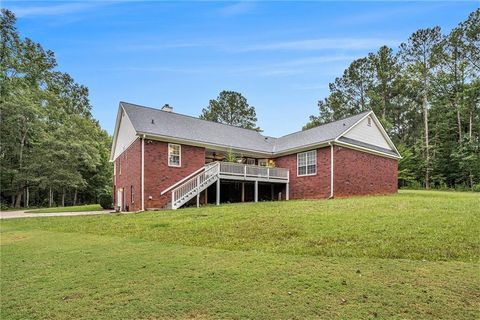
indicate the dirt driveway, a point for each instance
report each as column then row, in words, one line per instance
column 23, row 214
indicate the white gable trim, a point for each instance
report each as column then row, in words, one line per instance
column 379, row 126
column 121, row 116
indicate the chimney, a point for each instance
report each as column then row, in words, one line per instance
column 167, row 108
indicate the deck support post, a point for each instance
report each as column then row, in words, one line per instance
column 206, row 196
column 218, row 192
column 198, row 199
column 243, row 192
column 256, row 190
column 271, row 192
column 287, row 191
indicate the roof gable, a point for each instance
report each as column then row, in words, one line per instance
column 124, row 135
column 368, row 131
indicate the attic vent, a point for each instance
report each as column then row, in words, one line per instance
column 153, row 121
column 369, row 121
column 167, row 108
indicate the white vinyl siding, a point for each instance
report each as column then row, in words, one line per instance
column 174, row 155
column 370, row 134
column 307, row 163
column 125, row 136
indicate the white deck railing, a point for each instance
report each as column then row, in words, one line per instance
column 246, row 171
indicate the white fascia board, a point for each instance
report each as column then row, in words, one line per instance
column 379, row 125
column 121, row 111
column 367, row 150
column 115, row 132
column 195, row 143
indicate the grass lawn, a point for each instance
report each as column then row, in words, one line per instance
column 88, row 207
column 414, row 255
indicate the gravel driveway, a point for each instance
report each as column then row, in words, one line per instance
column 23, row 214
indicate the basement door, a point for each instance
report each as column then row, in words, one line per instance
column 120, row 199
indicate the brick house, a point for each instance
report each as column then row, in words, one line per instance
column 164, row 159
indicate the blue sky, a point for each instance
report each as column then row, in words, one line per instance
column 279, row 55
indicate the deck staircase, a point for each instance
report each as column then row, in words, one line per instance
column 193, row 186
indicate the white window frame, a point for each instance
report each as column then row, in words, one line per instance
column 306, row 163
column 179, row 155
column 263, row 162
column 132, row 194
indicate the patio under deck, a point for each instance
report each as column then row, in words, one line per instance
column 242, row 183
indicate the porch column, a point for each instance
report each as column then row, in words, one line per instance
column 243, row 192
column 256, row 190
column 218, row 192
column 287, row 191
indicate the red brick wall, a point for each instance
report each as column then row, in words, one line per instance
column 159, row 176
column 308, row 187
column 131, row 176
column 356, row 173
column 361, row 173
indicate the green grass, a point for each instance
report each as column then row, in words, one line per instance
column 414, row 255
column 87, row 207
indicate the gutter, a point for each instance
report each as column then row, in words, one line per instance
column 143, row 173
column 331, row 170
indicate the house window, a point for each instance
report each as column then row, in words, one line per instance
column 174, row 155
column 120, row 165
column 263, row 162
column 251, row 161
column 307, row 163
column 132, row 194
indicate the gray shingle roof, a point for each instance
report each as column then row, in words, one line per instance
column 174, row 125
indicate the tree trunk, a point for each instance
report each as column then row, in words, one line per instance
column 50, row 197
column 27, row 200
column 18, row 200
column 470, row 126
column 63, row 197
column 384, row 102
column 75, row 198
column 427, row 147
column 459, row 121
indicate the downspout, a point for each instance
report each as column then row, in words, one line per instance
column 143, row 173
column 331, row 170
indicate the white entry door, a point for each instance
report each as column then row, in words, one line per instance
column 120, row 199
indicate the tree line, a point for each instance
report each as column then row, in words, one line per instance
column 52, row 151
column 426, row 93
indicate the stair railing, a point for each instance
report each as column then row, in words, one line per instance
column 195, row 185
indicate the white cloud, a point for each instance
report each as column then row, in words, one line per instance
column 54, row 10
column 238, row 8
column 284, row 68
column 323, row 44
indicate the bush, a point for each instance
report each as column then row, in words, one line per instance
column 106, row 201
column 476, row 188
column 413, row 185
column 4, row 206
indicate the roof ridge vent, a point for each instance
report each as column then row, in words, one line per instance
column 167, row 108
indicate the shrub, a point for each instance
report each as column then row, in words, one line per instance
column 106, row 201
column 476, row 188
column 4, row 206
